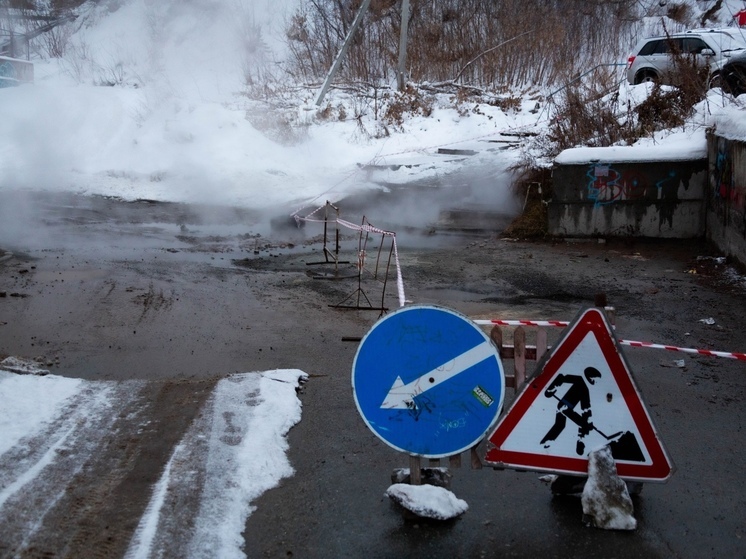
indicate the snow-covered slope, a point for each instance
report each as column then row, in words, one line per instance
column 149, row 101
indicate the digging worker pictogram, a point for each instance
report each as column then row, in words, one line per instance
column 577, row 395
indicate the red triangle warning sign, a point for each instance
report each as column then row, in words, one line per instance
column 582, row 398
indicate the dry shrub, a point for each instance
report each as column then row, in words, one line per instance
column 460, row 99
column 533, row 185
column 474, row 42
column 409, row 102
column 711, row 13
column 587, row 112
column 507, row 104
column 671, row 107
column 324, row 113
column 582, row 118
column 679, row 12
column 662, row 109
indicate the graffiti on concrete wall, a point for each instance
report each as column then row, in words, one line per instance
column 8, row 74
column 728, row 182
column 607, row 185
column 15, row 72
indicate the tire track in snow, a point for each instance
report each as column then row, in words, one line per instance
column 234, row 452
column 148, row 469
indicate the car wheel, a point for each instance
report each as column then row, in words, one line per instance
column 734, row 79
column 716, row 80
column 646, row 76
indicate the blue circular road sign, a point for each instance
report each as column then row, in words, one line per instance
column 428, row 381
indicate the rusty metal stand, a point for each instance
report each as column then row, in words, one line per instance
column 329, row 256
column 359, row 293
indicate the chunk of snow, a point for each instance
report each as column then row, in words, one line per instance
column 606, row 501
column 427, row 501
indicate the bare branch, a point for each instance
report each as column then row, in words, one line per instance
column 480, row 55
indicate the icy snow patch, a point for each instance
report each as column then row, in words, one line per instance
column 427, row 501
column 29, row 402
column 606, row 501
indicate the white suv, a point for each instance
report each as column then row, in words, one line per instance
column 652, row 60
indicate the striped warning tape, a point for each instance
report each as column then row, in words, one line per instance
column 711, row 353
column 560, row 323
column 631, row 343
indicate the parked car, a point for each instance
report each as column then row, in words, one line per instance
column 734, row 74
column 652, row 59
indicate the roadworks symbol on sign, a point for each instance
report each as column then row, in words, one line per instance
column 582, row 397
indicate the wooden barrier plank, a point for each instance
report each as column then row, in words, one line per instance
column 496, row 335
column 519, row 341
column 541, row 343
column 508, row 352
column 454, row 461
column 476, row 463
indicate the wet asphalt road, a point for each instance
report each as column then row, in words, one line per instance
column 105, row 289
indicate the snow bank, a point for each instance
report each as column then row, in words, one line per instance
column 687, row 149
column 29, row 402
column 730, row 122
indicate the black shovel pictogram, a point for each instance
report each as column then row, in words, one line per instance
column 623, row 445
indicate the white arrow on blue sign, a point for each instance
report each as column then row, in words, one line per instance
column 427, row 381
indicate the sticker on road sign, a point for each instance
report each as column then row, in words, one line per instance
column 582, row 398
column 428, row 381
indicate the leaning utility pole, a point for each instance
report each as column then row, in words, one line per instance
column 401, row 70
column 337, row 61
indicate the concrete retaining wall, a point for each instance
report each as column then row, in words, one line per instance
column 622, row 196
column 14, row 71
column 726, row 213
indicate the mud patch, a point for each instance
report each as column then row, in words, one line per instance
column 719, row 272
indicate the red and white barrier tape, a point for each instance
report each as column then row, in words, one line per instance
column 711, row 353
column 631, row 343
column 560, row 323
column 368, row 228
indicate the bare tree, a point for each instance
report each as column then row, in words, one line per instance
column 482, row 43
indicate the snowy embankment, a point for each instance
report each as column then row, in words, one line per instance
column 150, row 101
column 100, row 141
column 153, row 100
column 52, row 430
